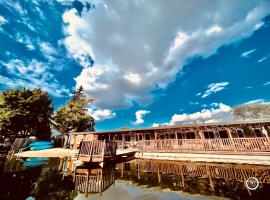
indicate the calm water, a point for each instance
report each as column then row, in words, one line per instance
column 136, row 179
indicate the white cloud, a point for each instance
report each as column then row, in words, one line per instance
column 2, row 20
column 255, row 101
column 139, row 47
column 32, row 74
column 267, row 83
column 101, row 114
column 139, row 116
column 262, row 59
column 47, row 48
column 214, row 88
column 247, row 53
column 24, row 39
column 248, row 87
column 217, row 112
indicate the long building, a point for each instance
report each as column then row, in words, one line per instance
column 235, row 136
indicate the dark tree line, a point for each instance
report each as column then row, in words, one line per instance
column 25, row 112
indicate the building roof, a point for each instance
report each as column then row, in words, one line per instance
column 193, row 125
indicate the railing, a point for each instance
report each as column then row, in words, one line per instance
column 228, row 171
column 96, row 149
column 226, row 144
column 93, row 181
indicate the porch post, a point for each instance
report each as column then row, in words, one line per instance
column 158, row 173
column 176, row 138
column 264, row 131
column 202, row 138
column 231, row 138
column 122, row 140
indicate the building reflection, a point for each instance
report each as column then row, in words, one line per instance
column 213, row 179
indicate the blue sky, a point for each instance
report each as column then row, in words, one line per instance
column 146, row 63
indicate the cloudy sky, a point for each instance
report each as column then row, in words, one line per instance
column 146, row 62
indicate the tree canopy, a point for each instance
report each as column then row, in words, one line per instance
column 252, row 111
column 25, row 112
column 74, row 116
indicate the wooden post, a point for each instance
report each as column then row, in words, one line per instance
column 159, row 176
column 202, row 138
column 122, row 170
column 87, row 180
column 212, row 184
column 122, row 140
column 109, row 137
column 231, row 138
column 176, row 138
column 264, row 131
column 103, row 150
column 138, row 169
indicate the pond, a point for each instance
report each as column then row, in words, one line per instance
column 39, row 178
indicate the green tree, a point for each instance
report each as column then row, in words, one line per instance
column 74, row 116
column 25, row 113
column 252, row 111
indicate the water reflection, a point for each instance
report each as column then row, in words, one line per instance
column 94, row 180
column 136, row 179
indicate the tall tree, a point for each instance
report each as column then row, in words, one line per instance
column 74, row 116
column 252, row 111
column 25, row 112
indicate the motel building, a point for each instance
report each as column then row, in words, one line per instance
column 235, row 136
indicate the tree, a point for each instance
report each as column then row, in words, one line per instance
column 26, row 113
column 252, row 111
column 74, row 116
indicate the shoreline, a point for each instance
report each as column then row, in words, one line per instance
column 189, row 157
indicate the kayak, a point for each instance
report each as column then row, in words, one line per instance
column 40, row 143
column 36, row 148
column 34, row 162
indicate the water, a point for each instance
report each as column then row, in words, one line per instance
column 132, row 180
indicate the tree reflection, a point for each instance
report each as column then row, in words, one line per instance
column 52, row 185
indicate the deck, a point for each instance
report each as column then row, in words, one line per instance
column 229, row 145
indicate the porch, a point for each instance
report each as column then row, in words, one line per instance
column 260, row 144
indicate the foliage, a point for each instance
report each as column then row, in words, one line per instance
column 52, row 186
column 252, row 111
column 74, row 115
column 25, row 112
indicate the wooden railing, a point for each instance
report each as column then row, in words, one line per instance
column 96, row 149
column 93, row 181
column 225, row 171
column 227, row 144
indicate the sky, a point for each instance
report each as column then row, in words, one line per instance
column 146, row 63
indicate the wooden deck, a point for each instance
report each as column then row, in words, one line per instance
column 97, row 151
column 240, row 145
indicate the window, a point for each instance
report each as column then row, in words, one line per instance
column 172, row 136
column 223, row 134
column 179, row 135
column 190, row 135
column 120, row 137
column 147, row 136
column 127, row 138
column 258, row 132
column 209, row 134
column 140, row 137
column 240, row 133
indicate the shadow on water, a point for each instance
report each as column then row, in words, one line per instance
column 136, row 179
